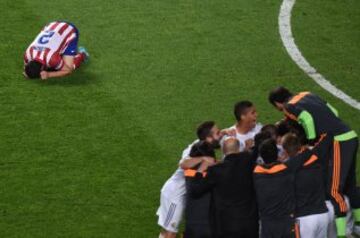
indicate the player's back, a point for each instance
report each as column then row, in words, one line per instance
column 275, row 193
column 54, row 35
column 197, row 210
column 309, row 190
column 320, row 112
column 51, row 41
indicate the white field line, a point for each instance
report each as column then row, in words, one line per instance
column 294, row 52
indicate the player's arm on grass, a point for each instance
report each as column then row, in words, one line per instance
column 67, row 69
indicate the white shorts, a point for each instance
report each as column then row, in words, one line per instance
column 314, row 226
column 170, row 213
column 331, row 216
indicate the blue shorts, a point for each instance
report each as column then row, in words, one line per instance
column 71, row 49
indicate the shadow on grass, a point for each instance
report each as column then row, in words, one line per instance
column 80, row 77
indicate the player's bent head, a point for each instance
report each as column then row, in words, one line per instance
column 204, row 129
column 33, row 69
column 272, row 129
column 289, row 126
column 279, row 95
column 291, row 144
column 268, row 151
column 202, row 148
column 231, row 146
column 241, row 108
column 258, row 139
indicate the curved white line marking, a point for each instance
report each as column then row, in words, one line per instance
column 294, row 52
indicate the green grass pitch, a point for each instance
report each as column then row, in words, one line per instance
column 86, row 156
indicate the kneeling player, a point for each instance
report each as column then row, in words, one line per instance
column 54, row 52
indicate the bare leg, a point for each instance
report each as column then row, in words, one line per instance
column 167, row 234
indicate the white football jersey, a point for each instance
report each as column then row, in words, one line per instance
column 243, row 137
column 174, row 188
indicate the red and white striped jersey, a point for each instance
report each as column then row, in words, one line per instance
column 50, row 44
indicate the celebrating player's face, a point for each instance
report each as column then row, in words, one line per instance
column 279, row 106
column 215, row 137
column 250, row 116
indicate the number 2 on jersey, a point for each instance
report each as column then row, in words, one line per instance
column 44, row 39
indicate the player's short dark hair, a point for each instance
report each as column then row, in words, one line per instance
column 258, row 139
column 204, row 129
column 268, row 151
column 271, row 128
column 283, row 128
column 279, row 95
column 33, row 69
column 202, row 148
column 290, row 126
column 241, row 107
column 291, row 144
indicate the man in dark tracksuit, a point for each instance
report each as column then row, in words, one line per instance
column 234, row 210
column 197, row 210
column 275, row 190
column 318, row 117
column 310, row 210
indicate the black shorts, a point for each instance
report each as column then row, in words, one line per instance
column 197, row 231
column 280, row 228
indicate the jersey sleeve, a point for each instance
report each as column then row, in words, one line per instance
column 303, row 117
column 333, row 109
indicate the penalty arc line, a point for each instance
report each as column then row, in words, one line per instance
column 295, row 54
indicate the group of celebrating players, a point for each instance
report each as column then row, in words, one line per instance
column 295, row 178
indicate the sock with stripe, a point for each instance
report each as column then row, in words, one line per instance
column 341, row 226
column 78, row 59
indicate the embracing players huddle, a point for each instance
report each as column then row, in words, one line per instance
column 293, row 179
